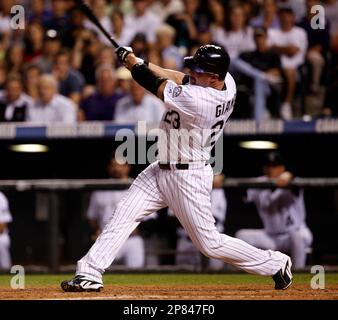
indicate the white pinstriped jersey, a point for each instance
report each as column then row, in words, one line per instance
column 186, row 192
column 197, row 115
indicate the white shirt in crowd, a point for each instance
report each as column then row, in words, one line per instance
column 5, row 24
column 24, row 99
column 235, row 42
column 298, row 7
column 296, row 37
column 59, row 109
column 147, row 24
column 164, row 11
column 107, row 25
column 125, row 37
column 150, row 110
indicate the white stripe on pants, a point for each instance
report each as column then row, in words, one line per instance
column 187, row 193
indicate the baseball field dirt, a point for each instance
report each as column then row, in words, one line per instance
column 173, row 287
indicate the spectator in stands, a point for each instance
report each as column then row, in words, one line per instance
column 106, row 56
column 38, row 12
column 171, row 57
column 51, row 47
column 263, row 74
column 124, row 78
column 5, row 21
column 125, row 6
column 52, row 106
column 14, row 103
column 121, row 33
column 31, row 78
column 291, row 43
column 102, row 206
column 185, row 23
column 318, row 48
column 204, row 36
column 165, row 8
column 140, row 45
column 268, row 18
column 77, row 27
column 236, row 37
column 60, row 19
column 142, row 20
column 15, row 59
column 139, row 106
column 297, row 6
column 85, row 52
column 99, row 8
column 187, row 254
column 282, row 212
column 33, row 40
column 70, row 80
column 101, row 104
column 5, row 219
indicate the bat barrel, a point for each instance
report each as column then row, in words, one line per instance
column 91, row 16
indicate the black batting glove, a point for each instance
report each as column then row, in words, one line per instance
column 122, row 53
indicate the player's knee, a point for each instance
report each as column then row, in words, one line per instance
column 211, row 250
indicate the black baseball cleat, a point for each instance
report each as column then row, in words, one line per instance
column 80, row 284
column 283, row 278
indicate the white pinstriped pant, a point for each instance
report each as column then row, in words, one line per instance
column 187, row 193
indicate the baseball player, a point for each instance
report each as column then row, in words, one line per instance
column 198, row 103
column 103, row 203
column 5, row 218
column 282, row 212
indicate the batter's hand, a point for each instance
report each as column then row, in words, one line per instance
column 122, row 53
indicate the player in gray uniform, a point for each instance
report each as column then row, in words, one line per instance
column 283, row 215
column 181, row 179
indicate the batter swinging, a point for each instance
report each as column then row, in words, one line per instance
column 181, row 178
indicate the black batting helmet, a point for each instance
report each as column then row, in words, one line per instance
column 211, row 59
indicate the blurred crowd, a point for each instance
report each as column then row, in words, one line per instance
column 60, row 68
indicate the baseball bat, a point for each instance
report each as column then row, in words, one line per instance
column 91, row 16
